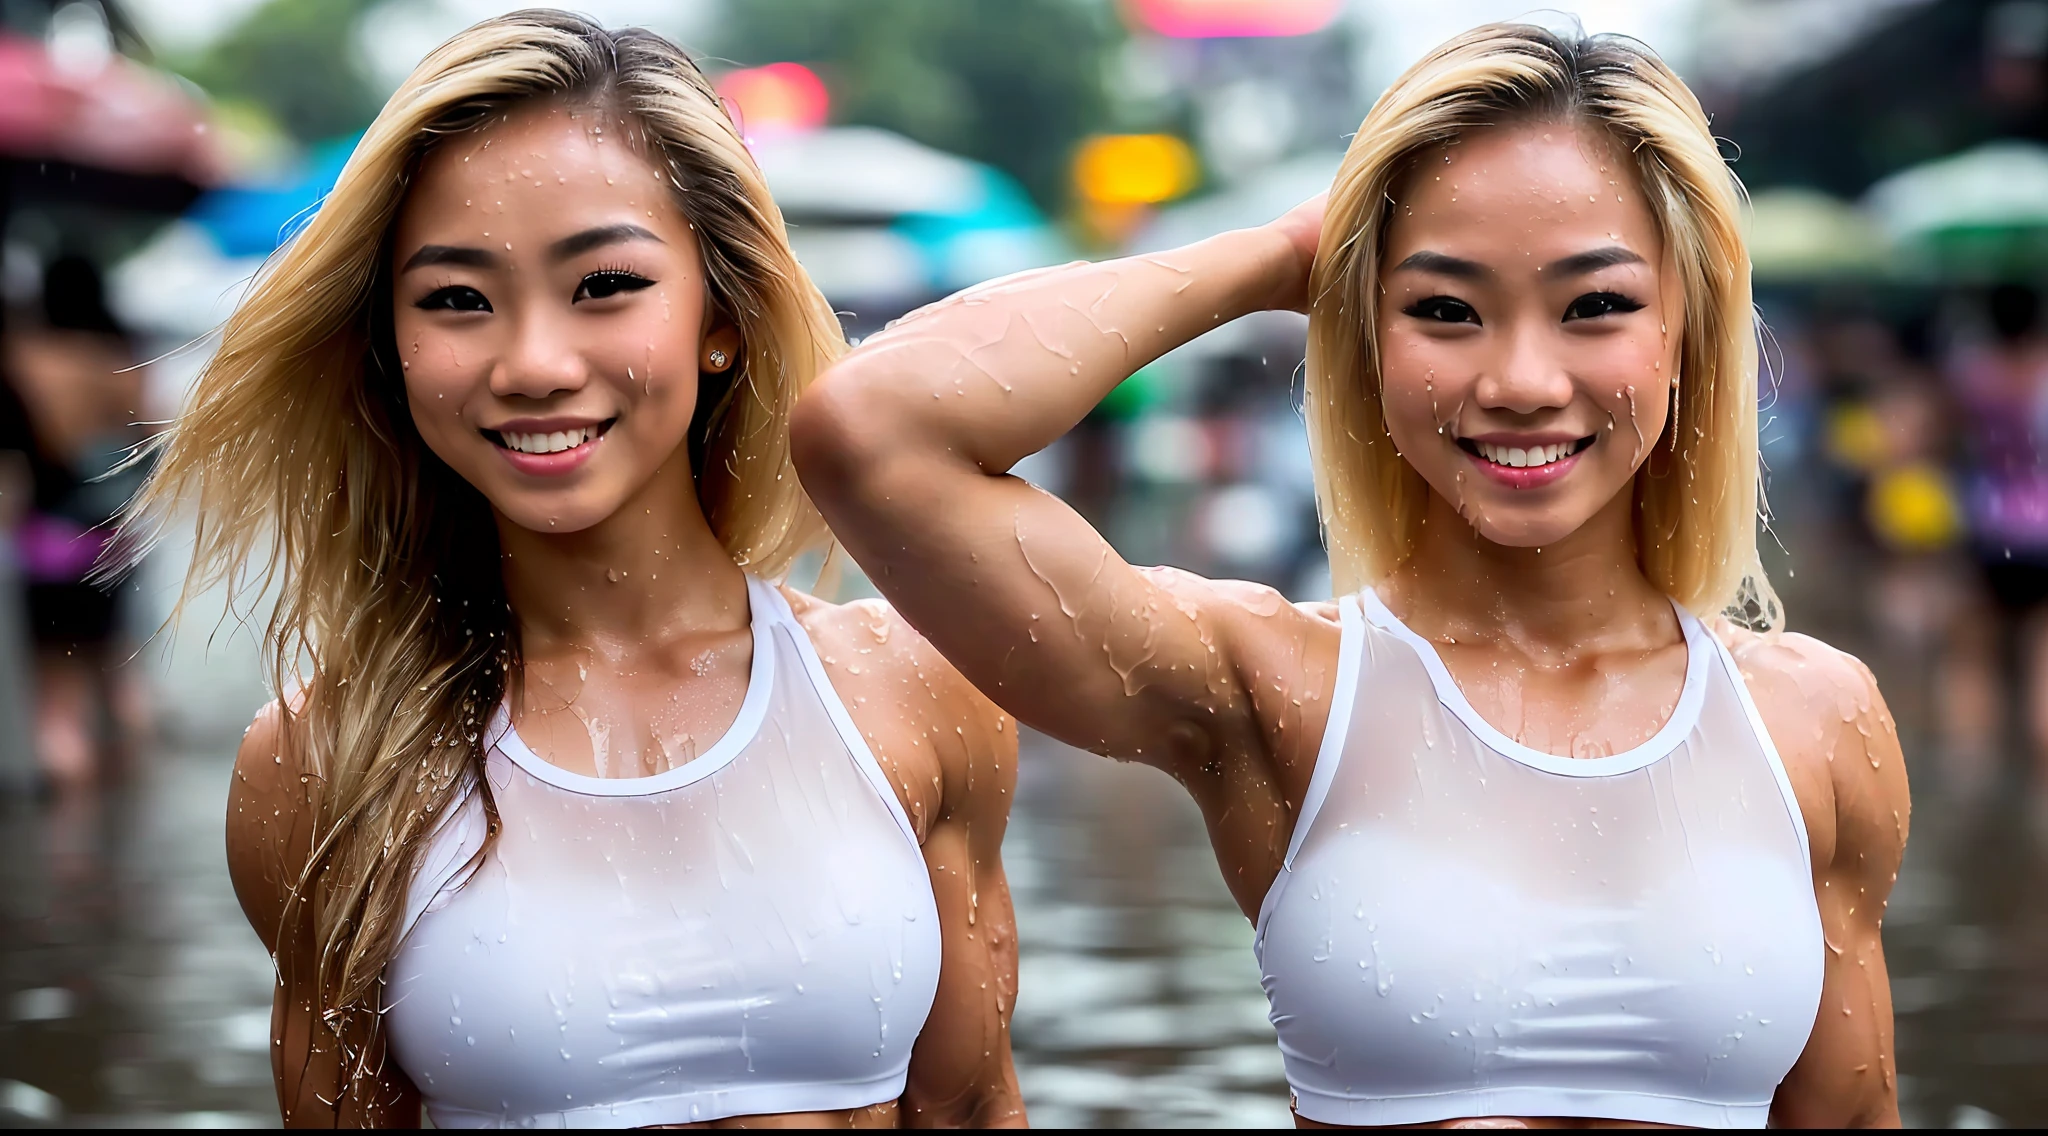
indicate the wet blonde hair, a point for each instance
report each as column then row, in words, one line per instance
column 1697, row 501
column 303, row 465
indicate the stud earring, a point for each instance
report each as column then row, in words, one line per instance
column 717, row 359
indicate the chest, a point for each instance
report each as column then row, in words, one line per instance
column 767, row 921
column 1423, row 968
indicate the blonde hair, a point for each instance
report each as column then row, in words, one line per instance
column 1695, row 513
column 303, row 464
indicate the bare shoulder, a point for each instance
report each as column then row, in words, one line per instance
column 932, row 731
column 270, row 818
column 867, row 640
column 1798, row 673
column 1834, row 732
column 868, row 626
column 1256, row 615
column 1324, row 612
column 1233, row 597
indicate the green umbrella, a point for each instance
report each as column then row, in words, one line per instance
column 1978, row 214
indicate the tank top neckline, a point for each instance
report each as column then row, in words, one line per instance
column 764, row 607
column 1659, row 745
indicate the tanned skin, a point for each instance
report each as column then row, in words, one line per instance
column 1503, row 328
column 631, row 614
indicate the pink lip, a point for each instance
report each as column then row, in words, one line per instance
column 1526, row 477
column 548, row 465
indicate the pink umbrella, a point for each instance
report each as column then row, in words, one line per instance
column 116, row 115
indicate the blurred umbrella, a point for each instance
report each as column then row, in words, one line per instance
column 252, row 220
column 874, row 215
column 1980, row 213
column 861, row 173
column 101, row 129
column 1804, row 234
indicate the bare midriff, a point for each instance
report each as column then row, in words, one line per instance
column 1301, row 1121
column 884, row 1115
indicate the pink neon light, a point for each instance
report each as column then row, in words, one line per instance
column 779, row 96
column 1214, row 19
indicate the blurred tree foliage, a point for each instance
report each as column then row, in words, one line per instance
column 1013, row 83
column 297, row 60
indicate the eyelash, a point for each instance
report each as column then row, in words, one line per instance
column 1617, row 304
column 439, row 299
column 627, row 279
column 1433, row 308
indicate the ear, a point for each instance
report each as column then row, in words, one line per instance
column 720, row 349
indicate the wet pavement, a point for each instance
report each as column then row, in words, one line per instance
column 134, row 994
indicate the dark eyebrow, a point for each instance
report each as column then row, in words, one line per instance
column 1444, row 265
column 1578, row 264
column 450, row 254
column 598, row 238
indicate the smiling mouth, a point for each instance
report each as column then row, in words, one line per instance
column 1518, row 457
column 556, row 442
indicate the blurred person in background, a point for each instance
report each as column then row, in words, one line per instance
column 18, row 766
column 573, row 817
column 1897, row 561
column 2000, row 378
column 1532, row 404
column 77, row 378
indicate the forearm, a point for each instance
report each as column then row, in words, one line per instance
column 993, row 375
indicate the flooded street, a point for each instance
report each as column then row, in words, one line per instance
column 136, row 995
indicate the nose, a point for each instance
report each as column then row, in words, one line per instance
column 1528, row 375
column 540, row 360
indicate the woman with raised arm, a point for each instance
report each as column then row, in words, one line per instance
column 567, row 815
column 1526, row 840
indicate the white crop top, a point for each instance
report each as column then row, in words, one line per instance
column 752, row 932
column 1467, row 927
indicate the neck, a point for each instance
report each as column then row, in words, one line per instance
column 1573, row 594
column 650, row 570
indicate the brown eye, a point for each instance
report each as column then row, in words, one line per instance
column 1442, row 309
column 1593, row 305
column 454, row 298
column 601, row 285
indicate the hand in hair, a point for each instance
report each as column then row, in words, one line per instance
column 1303, row 228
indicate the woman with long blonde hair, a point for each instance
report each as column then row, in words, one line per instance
column 1543, row 822
column 566, row 815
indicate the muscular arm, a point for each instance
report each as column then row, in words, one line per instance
column 1850, row 778
column 906, row 446
column 270, row 828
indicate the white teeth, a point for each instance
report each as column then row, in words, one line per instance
column 1517, row 457
column 548, row 443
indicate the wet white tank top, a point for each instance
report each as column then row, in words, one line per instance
column 1467, row 927
column 751, row 932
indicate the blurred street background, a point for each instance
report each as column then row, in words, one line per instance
column 153, row 152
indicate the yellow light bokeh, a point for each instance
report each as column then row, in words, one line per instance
column 1133, row 169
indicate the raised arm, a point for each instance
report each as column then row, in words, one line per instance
column 270, row 835
column 907, row 444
